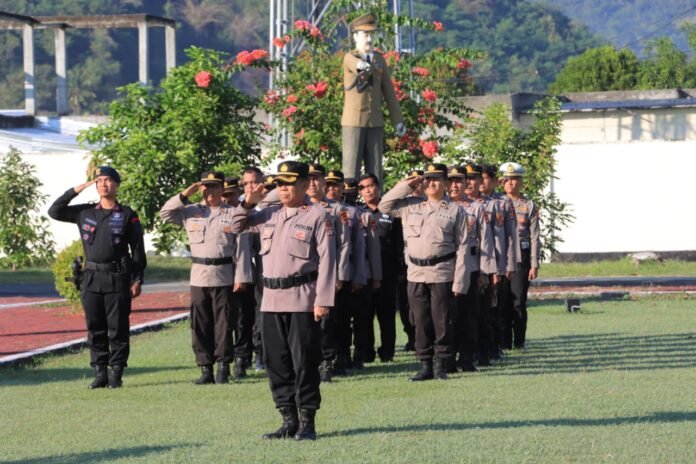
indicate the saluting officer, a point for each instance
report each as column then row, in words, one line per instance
column 112, row 277
column 436, row 240
column 299, row 262
column 529, row 245
column 213, row 246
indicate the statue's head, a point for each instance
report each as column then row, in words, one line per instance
column 363, row 29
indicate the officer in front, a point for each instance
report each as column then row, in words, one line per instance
column 436, row 235
column 112, row 275
column 214, row 250
column 299, row 263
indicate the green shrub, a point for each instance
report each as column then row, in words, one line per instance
column 62, row 269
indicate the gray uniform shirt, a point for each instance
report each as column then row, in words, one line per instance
column 210, row 235
column 294, row 241
column 506, row 222
column 431, row 229
column 528, row 234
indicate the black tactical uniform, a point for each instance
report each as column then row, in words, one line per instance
column 107, row 235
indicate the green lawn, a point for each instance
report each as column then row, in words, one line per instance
column 620, row 267
column 614, row 383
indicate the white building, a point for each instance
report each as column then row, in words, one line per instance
column 626, row 164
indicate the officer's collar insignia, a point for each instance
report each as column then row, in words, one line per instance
column 211, row 176
column 284, row 168
column 431, row 168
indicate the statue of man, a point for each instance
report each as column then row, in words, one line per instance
column 367, row 81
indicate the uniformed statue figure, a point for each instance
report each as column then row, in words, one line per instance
column 112, row 274
column 529, row 244
column 299, row 265
column 214, row 253
column 436, row 240
column 367, row 83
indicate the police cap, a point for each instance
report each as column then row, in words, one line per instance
column 456, row 172
column 109, row 172
column 290, row 172
column 212, row 177
column 435, row 170
column 366, row 22
column 511, row 169
column 334, row 176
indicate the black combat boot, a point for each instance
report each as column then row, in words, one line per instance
column 451, row 365
column 426, row 372
column 306, row 430
column 206, row 375
column 440, row 371
column 240, row 368
column 466, row 365
column 289, row 427
column 341, row 364
column 223, row 373
column 115, row 376
column 325, row 371
column 100, row 378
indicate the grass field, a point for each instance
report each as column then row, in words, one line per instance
column 614, row 383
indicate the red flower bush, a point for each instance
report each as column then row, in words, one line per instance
column 429, row 95
column 281, row 42
column 289, row 111
column 419, row 71
column 271, row 98
column 303, row 25
column 392, row 57
column 439, row 27
column 247, row 58
column 204, row 79
column 292, row 98
column 319, row 89
column 464, row 64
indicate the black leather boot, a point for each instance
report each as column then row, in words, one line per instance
column 115, row 376
column 240, row 368
column 341, row 364
column 306, row 430
column 206, row 375
column 100, row 378
column 289, row 427
column 325, row 371
column 440, row 370
column 426, row 372
column 223, row 373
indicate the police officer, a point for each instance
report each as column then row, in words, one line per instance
column 436, row 236
column 506, row 224
column 243, row 290
column 299, row 262
column 529, row 244
column 213, row 246
column 112, row 276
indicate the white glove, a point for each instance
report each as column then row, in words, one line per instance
column 400, row 129
column 363, row 66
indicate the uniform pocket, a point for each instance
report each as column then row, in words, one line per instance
column 413, row 227
column 195, row 233
column 266, row 240
column 299, row 246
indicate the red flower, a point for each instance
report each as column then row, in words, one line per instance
column 281, row 42
column 244, row 58
column 303, row 25
column 439, row 27
column 400, row 94
column 271, row 98
column 429, row 95
column 289, row 111
column 464, row 64
column 429, row 148
column 392, row 56
column 292, row 98
column 204, row 79
column 420, row 71
column 299, row 135
column 259, row 54
column 319, row 89
column 315, row 32
column 323, row 147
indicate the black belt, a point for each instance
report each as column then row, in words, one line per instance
column 432, row 261
column 289, row 282
column 103, row 267
column 213, row 261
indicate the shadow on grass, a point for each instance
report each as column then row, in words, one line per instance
column 598, row 352
column 21, row 376
column 103, row 455
column 658, row 418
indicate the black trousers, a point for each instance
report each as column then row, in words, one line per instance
column 108, row 327
column 516, row 310
column 256, row 336
column 245, row 302
column 353, row 323
column 467, row 333
column 499, row 295
column 383, row 305
column 212, row 321
column 405, row 309
column 329, row 335
column 433, row 313
column 292, row 354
